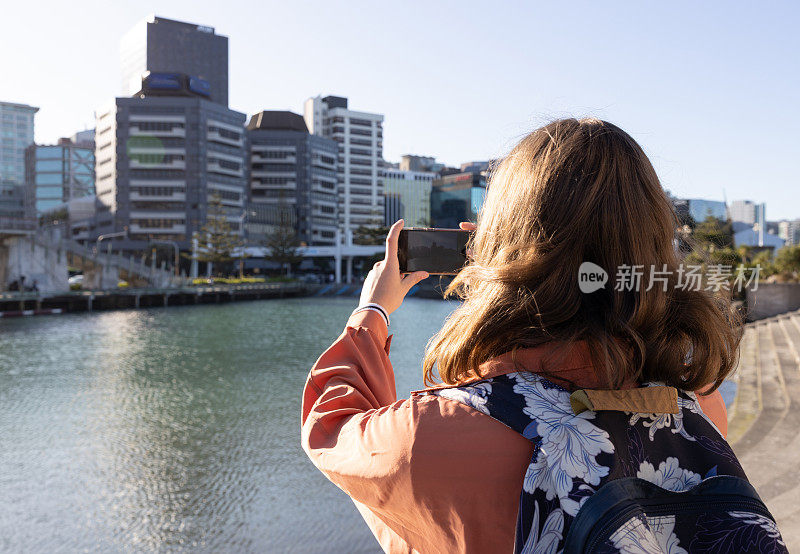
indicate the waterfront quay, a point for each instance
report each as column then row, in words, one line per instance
column 764, row 419
column 35, row 303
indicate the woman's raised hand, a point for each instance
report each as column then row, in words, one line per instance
column 385, row 285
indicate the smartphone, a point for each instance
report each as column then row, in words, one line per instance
column 437, row 251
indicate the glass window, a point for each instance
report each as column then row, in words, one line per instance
column 49, row 152
column 49, row 179
column 478, row 195
column 49, row 192
column 44, row 205
column 49, row 165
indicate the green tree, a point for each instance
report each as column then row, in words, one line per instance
column 725, row 256
column 218, row 243
column 763, row 259
column 713, row 233
column 787, row 260
column 370, row 235
column 283, row 242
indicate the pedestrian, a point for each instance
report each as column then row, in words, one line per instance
column 563, row 414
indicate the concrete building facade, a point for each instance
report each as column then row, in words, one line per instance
column 161, row 45
column 412, row 162
column 742, row 211
column 291, row 170
column 159, row 160
column 360, row 162
column 789, row 231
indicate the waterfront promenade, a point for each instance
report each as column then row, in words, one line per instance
column 764, row 420
column 31, row 303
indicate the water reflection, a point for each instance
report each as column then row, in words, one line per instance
column 176, row 428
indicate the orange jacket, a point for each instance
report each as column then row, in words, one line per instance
column 427, row 474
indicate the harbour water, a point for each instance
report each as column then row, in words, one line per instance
column 177, row 429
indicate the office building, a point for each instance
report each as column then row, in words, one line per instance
column 743, row 211
column 457, row 197
column 16, row 134
column 700, row 209
column 408, row 196
column 789, row 231
column 681, row 207
column 475, row 166
column 291, row 170
column 360, row 162
column 60, row 172
column 161, row 156
column 161, row 45
column 411, row 162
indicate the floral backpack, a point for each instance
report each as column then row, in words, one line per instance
column 606, row 480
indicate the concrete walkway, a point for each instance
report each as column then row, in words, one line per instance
column 764, row 420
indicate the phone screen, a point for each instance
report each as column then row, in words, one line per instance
column 437, row 251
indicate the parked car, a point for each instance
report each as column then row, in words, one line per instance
column 75, row 282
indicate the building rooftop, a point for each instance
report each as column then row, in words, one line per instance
column 20, row 106
column 276, row 120
column 335, row 101
column 152, row 18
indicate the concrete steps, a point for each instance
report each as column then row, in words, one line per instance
column 764, row 426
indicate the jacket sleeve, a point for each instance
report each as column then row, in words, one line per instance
column 364, row 440
column 353, row 428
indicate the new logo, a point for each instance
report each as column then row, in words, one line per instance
column 591, row 277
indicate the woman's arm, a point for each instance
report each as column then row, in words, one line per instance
column 353, row 376
column 352, row 424
column 411, row 466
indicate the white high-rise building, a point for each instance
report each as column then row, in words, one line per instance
column 790, row 231
column 746, row 211
column 360, row 169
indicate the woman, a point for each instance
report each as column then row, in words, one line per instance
column 435, row 472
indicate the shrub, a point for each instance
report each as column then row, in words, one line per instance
column 788, row 260
column 227, row 280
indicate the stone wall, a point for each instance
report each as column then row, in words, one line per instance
column 771, row 299
column 47, row 265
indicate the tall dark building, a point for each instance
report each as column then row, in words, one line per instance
column 158, row 45
column 291, row 172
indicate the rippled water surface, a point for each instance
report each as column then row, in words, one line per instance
column 177, row 428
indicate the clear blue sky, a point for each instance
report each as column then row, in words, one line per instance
column 710, row 89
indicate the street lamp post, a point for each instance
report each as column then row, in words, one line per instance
column 242, row 220
column 123, row 233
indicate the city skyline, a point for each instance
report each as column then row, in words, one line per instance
column 705, row 92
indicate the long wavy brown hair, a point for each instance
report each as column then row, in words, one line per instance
column 570, row 192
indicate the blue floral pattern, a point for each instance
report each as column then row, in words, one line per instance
column 574, row 455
